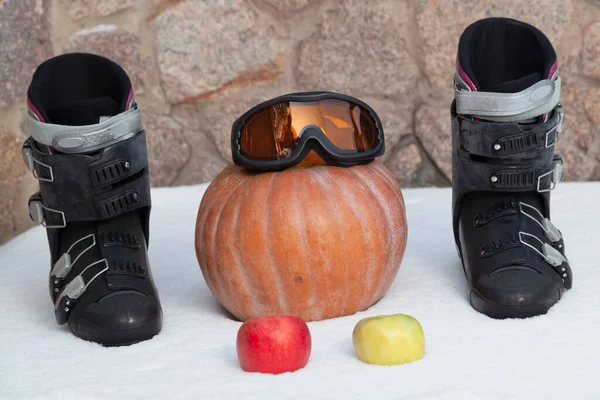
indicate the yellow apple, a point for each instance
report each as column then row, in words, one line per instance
column 389, row 340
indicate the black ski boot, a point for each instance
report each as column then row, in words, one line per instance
column 506, row 119
column 88, row 151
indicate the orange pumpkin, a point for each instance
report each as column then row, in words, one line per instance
column 317, row 242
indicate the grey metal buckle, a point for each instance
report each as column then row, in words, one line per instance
column 76, row 287
column 64, row 264
column 555, row 173
column 547, row 143
column 551, row 232
column 36, row 212
column 557, row 129
column 549, row 253
column 73, row 290
column 30, row 163
column 552, row 256
column 561, row 117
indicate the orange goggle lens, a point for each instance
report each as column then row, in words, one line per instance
column 273, row 133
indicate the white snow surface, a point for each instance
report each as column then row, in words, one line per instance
column 468, row 355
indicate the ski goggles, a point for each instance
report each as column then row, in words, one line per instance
column 281, row 132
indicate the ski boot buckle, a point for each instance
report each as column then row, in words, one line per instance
column 67, row 299
column 555, row 174
column 63, row 265
column 31, row 162
column 551, row 255
column 36, row 213
column 550, row 230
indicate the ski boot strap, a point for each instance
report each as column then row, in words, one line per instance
column 509, row 157
column 80, row 139
column 538, row 99
column 91, row 186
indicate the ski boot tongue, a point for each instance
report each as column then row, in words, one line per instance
column 523, row 100
column 83, row 112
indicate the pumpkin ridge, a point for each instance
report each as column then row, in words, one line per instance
column 317, row 188
column 394, row 187
column 204, row 210
column 251, row 226
column 212, row 195
column 380, row 170
column 284, row 235
column 366, row 183
column 337, row 216
column 390, row 250
column 201, row 255
column 202, row 228
column 219, row 277
column 239, row 262
column 202, row 216
column 303, row 234
column 276, row 274
column 378, row 294
column 220, row 184
column 358, row 216
column 316, row 298
column 393, row 184
column 232, row 308
column 371, row 262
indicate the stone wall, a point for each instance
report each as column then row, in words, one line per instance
column 198, row 64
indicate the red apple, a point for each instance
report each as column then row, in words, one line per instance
column 273, row 345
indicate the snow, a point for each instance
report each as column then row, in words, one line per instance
column 468, row 356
